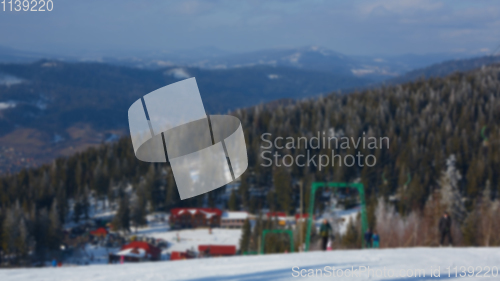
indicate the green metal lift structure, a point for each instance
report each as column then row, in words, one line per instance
column 361, row 192
column 266, row 231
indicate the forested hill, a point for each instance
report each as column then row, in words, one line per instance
column 53, row 108
column 426, row 122
column 445, row 68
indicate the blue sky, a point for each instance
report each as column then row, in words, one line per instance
column 363, row 27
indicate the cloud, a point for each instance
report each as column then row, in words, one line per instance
column 400, row 6
column 352, row 27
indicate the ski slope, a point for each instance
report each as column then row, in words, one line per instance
column 276, row 267
column 191, row 238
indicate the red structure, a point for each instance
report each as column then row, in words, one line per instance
column 153, row 252
column 174, row 256
column 100, row 232
column 303, row 217
column 276, row 215
column 217, row 250
column 195, row 217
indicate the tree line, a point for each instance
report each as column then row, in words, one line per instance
column 426, row 121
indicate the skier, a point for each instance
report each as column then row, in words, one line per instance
column 375, row 239
column 324, row 231
column 445, row 229
column 368, row 238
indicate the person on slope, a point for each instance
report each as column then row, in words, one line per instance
column 368, row 238
column 376, row 240
column 445, row 229
column 324, row 231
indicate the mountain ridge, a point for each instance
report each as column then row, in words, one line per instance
column 53, row 108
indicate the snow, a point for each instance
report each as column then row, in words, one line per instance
column 345, row 215
column 91, row 254
column 278, row 266
column 234, row 215
column 191, row 238
column 9, row 80
column 178, row 73
column 138, row 253
column 6, row 105
column 159, row 228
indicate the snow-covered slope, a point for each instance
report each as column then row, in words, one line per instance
column 191, row 238
column 279, row 267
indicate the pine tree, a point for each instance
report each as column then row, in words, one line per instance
column 255, row 239
column 139, row 208
column 243, row 191
column 85, row 202
column 41, row 233
column 245, row 236
column 55, row 227
column 77, row 211
column 232, row 204
column 121, row 220
column 10, row 232
column 21, row 241
column 352, row 235
column 150, row 186
column 2, row 217
column 469, row 229
column 111, row 194
column 62, row 200
column 172, row 196
column 487, row 215
column 450, row 195
column 283, row 185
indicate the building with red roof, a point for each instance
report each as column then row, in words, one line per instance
column 303, row 217
column 195, row 217
column 137, row 251
column 276, row 215
column 100, row 232
column 233, row 219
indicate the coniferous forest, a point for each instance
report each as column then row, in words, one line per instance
column 443, row 154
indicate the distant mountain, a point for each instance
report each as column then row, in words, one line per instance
column 375, row 68
column 445, row 68
column 311, row 58
column 13, row 55
column 51, row 108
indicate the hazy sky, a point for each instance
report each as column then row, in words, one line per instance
column 348, row 26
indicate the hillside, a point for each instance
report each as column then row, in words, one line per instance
column 389, row 264
column 375, row 68
column 312, row 58
column 445, row 68
column 52, row 108
column 444, row 145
